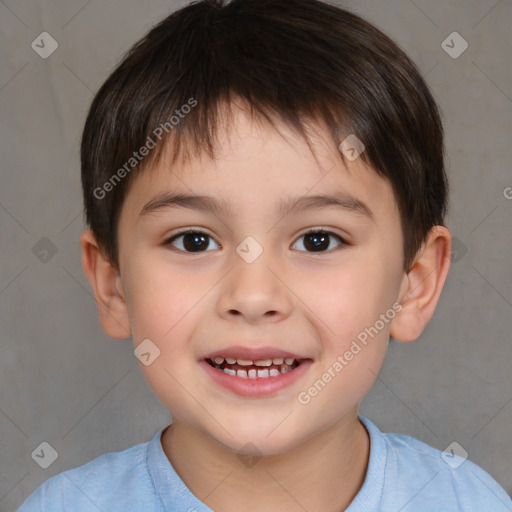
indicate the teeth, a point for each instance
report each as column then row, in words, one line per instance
column 262, row 362
column 257, row 374
column 283, row 365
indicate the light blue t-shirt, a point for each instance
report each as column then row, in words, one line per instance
column 404, row 475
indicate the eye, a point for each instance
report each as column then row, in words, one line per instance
column 319, row 240
column 190, row 241
column 193, row 241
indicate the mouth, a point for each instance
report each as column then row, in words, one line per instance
column 255, row 372
column 258, row 369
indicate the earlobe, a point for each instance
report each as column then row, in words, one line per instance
column 422, row 285
column 107, row 286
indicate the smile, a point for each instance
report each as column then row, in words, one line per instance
column 248, row 369
column 258, row 377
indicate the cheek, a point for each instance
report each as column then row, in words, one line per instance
column 348, row 298
column 164, row 313
column 353, row 339
column 159, row 298
column 353, row 336
column 166, row 307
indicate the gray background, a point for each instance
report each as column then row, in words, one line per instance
column 65, row 382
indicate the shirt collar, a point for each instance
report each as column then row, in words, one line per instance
column 175, row 495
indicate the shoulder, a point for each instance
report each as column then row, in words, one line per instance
column 426, row 478
column 115, row 481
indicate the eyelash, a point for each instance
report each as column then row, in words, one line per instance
column 319, row 231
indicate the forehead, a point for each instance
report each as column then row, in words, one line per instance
column 257, row 165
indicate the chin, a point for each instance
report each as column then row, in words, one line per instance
column 257, row 440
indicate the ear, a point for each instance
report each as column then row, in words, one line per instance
column 107, row 286
column 422, row 285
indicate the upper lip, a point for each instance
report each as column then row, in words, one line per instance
column 253, row 354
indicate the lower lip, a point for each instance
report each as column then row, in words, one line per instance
column 258, row 386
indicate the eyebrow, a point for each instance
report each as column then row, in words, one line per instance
column 285, row 206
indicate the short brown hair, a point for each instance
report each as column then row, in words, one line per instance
column 295, row 59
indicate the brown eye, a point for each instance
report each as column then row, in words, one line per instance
column 320, row 241
column 190, row 241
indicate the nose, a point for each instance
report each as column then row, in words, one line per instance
column 254, row 292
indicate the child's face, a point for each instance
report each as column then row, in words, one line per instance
column 310, row 304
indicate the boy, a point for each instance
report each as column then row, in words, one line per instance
column 265, row 189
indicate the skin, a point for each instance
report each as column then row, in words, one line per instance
column 314, row 456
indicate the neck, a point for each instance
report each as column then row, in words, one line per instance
column 323, row 473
